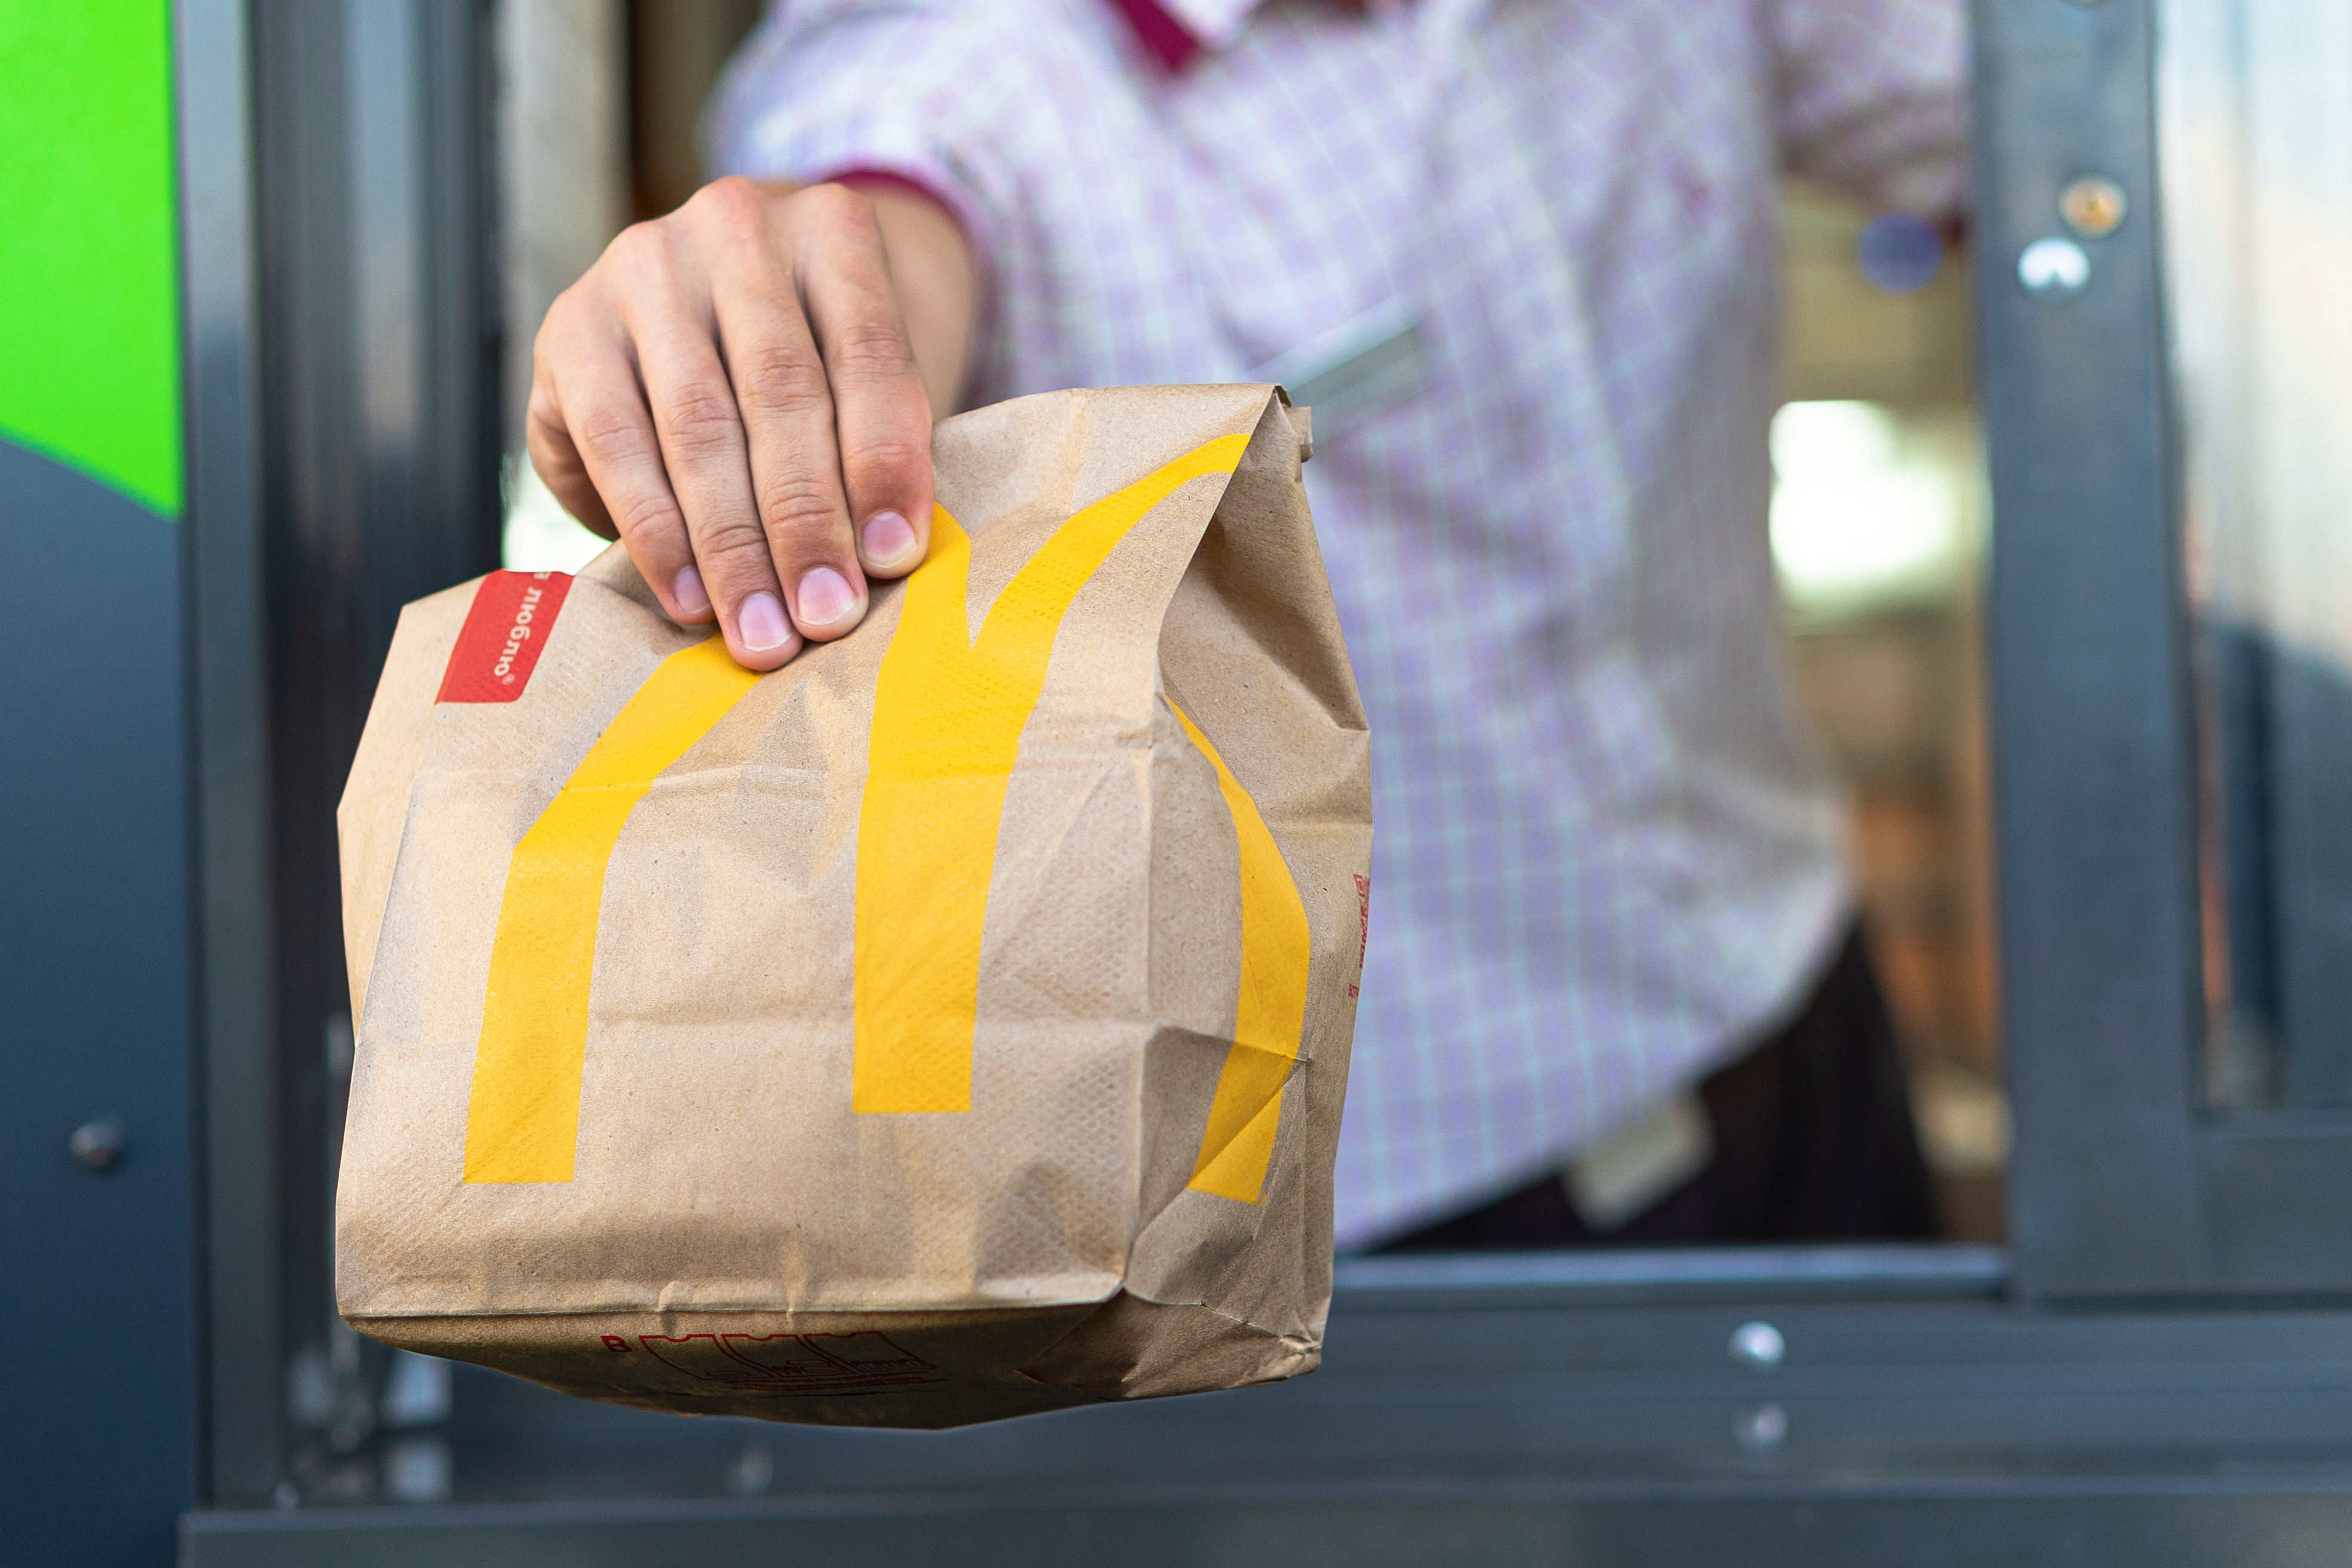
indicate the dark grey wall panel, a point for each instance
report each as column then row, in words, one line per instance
column 97, row 1390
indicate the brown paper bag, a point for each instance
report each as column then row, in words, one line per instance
column 950, row 1025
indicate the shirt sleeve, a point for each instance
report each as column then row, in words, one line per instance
column 1872, row 98
column 903, row 90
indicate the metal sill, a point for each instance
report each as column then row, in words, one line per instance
column 1762, row 1274
column 1564, row 1408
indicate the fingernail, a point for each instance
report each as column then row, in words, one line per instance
column 825, row 597
column 762, row 625
column 686, row 588
column 888, row 536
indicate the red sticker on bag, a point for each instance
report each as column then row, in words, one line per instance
column 499, row 646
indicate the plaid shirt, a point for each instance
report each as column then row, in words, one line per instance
column 1522, row 256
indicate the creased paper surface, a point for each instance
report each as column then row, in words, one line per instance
column 951, row 1024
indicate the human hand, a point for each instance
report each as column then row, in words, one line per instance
column 734, row 393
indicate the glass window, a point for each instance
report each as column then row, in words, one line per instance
column 2256, row 132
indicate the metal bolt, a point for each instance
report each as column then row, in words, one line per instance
column 1761, row 1428
column 98, row 1146
column 2093, row 207
column 2053, row 271
column 1758, row 1345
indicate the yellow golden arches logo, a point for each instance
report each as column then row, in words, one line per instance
column 1270, row 1014
column 522, row 1122
column 949, row 712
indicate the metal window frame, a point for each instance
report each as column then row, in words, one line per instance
column 238, row 1193
column 343, row 454
column 1546, row 1409
column 2123, row 1184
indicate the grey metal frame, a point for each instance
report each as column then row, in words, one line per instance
column 1473, row 1410
column 2123, row 1183
column 2069, row 1401
column 2093, row 774
column 343, row 455
column 2191, row 1523
column 238, row 1201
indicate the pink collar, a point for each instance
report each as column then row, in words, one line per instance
column 1173, row 31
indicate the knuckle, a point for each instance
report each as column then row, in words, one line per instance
column 635, row 248
column 732, row 205
column 647, row 522
column 882, row 462
column 783, row 378
column 874, row 351
column 570, row 322
column 611, row 439
column 638, row 264
column 542, row 412
column 795, row 505
column 733, row 553
column 700, row 417
column 837, row 207
column 729, row 192
column 552, row 325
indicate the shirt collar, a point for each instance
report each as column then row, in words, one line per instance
column 1173, row 31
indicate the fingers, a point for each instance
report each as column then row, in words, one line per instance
column 701, row 443
column 730, row 392
column 561, row 466
column 786, row 406
column 881, row 411
column 592, row 441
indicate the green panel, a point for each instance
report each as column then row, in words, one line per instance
column 89, row 337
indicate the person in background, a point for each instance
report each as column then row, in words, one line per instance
column 1520, row 256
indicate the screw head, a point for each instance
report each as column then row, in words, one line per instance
column 1760, row 1428
column 98, row 1146
column 2053, row 271
column 1758, row 1345
column 2093, row 206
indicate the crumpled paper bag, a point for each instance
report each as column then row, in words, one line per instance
column 951, row 1024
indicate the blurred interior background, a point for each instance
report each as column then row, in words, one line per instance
column 1880, row 525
